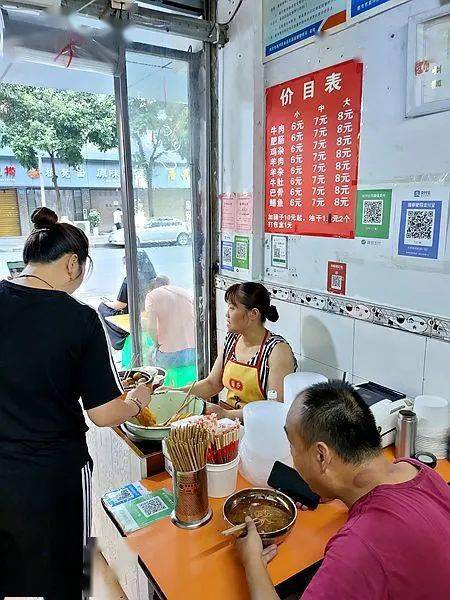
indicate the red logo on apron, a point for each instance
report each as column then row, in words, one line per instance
column 237, row 385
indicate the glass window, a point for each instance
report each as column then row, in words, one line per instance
column 158, row 108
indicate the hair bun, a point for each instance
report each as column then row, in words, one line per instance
column 272, row 314
column 43, row 217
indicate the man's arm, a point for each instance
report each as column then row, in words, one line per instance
column 259, row 583
column 254, row 559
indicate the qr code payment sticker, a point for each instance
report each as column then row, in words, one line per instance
column 372, row 212
column 336, row 282
column 241, row 251
column 152, row 506
column 120, row 496
column 227, row 255
column 419, row 228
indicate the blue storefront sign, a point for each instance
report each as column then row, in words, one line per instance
column 92, row 174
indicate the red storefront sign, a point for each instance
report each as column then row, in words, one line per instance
column 337, row 278
column 312, row 152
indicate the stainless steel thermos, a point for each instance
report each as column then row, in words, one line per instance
column 405, row 440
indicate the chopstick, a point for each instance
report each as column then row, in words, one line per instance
column 187, row 447
column 187, row 400
column 240, row 528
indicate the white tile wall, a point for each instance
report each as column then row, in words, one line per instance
column 437, row 369
column 221, row 310
column 392, row 358
column 327, row 338
column 220, row 339
column 312, row 366
column 331, row 344
column 288, row 324
column 358, row 380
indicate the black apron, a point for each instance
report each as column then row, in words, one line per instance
column 41, row 520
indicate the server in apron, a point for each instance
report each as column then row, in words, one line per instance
column 53, row 351
column 254, row 360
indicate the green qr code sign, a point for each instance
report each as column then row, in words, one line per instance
column 373, row 213
column 241, row 258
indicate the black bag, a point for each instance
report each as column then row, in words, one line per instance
column 116, row 335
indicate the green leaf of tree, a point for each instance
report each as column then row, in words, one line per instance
column 55, row 123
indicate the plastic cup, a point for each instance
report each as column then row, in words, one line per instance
column 432, row 413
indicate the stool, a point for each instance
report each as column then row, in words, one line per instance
column 147, row 342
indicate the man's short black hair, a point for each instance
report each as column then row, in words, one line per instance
column 335, row 413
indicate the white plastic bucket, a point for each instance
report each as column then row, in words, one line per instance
column 296, row 383
column 256, row 468
column 264, row 433
column 222, row 479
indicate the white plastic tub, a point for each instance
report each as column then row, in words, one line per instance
column 222, row 479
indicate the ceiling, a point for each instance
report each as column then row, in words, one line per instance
column 148, row 75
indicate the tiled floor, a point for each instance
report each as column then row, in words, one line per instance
column 105, row 586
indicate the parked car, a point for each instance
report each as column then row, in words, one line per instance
column 158, row 230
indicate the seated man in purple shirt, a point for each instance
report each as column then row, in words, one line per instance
column 396, row 542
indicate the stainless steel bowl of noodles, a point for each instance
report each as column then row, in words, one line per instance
column 276, row 512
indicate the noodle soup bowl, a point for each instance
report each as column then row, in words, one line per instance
column 260, row 503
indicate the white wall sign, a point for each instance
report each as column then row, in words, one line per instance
column 289, row 24
column 357, row 10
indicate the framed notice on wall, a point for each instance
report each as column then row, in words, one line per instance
column 312, row 152
column 288, row 24
column 428, row 77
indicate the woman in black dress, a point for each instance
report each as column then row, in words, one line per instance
column 53, row 352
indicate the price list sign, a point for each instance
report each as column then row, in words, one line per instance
column 312, row 152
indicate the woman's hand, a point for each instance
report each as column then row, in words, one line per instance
column 120, row 410
column 250, row 547
column 215, row 408
column 140, row 395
